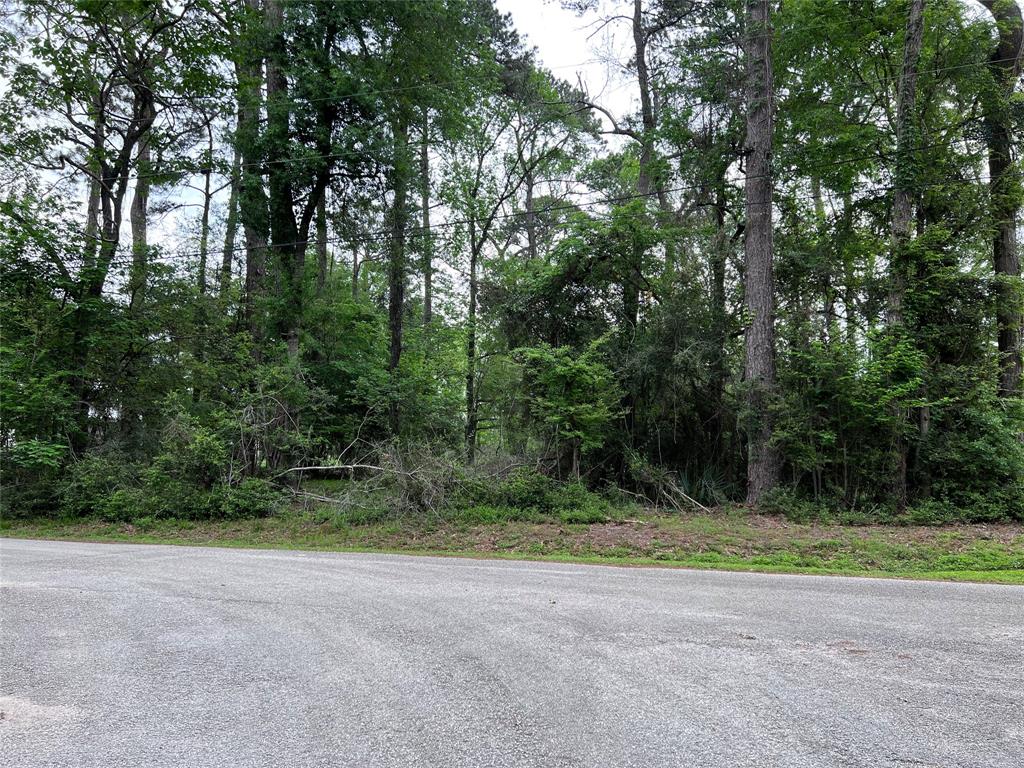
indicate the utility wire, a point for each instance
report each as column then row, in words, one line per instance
column 384, row 234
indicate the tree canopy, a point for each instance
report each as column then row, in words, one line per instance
column 243, row 237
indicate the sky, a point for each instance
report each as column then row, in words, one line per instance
column 571, row 46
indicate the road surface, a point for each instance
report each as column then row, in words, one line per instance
column 127, row 655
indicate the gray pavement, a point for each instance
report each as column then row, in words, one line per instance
column 126, row 655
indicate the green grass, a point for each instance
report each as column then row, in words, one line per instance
column 729, row 540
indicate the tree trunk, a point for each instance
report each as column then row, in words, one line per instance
column 113, row 186
column 355, row 271
column 471, row 399
column 531, row 218
column 396, row 262
column 719, row 256
column 92, row 225
column 230, row 225
column 634, row 272
column 425, row 236
column 849, row 270
column 902, row 217
column 763, row 462
column 821, row 240
column 204, row 221
column 105, row 211
column 646, row 106
column 903, row 200
column 139, row 218
column 321, row 244
column 1004, row 179
column 252, row 197
column 284, row 232
column 650, row 181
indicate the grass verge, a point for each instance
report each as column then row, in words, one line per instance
column 727, row 540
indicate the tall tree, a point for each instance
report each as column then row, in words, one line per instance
column 102, row 76
column 433, row 56
column 1004, row 180
column 401, row 172
column 903, row 210
column 139, row 217
column 230, row 224
column 247, row 53
column 763, row 461
column 426, row 239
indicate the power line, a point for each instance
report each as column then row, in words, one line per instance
column 333, row 155
column 416, row 230
column 379, row 235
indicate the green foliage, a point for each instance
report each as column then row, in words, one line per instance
column 574, row 503
column 527, row 489
column 253, row 497
column 92, row 482
column 34, row 456
column 189, row 478
column 607, row 332
column 794, row 506
column 574, row 396
column 975, row 459
column 191, row 452
column 533, row 494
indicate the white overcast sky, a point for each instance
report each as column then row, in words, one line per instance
column 566, row 44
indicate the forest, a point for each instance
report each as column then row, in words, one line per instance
column 374, row 258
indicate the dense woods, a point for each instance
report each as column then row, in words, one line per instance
column 248, row 242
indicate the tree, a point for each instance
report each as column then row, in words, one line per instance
column 794, row 252
column 573, row 397
column 1004, row 180
column 428, row 57
column 902, row 209
column 759, row 283
column 102, row 76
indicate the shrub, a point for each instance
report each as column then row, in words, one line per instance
column 791, row 505
column 166, row 496
column 31, row 473
column 122, row 506
column 533, row 494
column 572, row 396
column 92, row 481
column 192, row 453
column 977, row 463
column 527, row 489
column 252, row 497
column 573, row 503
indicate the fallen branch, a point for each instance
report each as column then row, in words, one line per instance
column 693, row 501
column 326, row 467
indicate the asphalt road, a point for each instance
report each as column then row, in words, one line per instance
column 124, row 655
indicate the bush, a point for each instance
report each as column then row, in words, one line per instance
column 977, row 463
column 572, row 396
column 164, row 496
column 92, row 481
column 31, row 475
column 192, row 453
column 573, row 503
column 122, row 506
column 791, row 505
column 534, row 494
column 527, row 489
column 252, row 497
column 108, row 486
